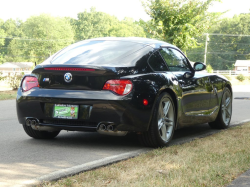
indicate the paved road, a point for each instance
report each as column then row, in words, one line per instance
column 23, row 158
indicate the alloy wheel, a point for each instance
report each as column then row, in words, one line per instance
column 166, row 119
column 226, row 107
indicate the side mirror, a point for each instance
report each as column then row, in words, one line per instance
column 199, row 66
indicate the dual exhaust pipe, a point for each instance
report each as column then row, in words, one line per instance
column 34, row 124
column 103, row 127
column 31, row 122
column 107, row 128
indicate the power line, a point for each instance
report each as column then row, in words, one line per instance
column 228, row 43
column 218, row 53
column 25, row 56
column 226, row 60
column 43, row 49
column 33, row 39
column 218, row 34
column 20, row 38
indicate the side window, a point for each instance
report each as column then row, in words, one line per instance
column 157, row 63
column 174, row 59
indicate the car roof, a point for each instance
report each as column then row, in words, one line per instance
column 145, row 41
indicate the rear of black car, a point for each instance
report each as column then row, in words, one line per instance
column 87, row 87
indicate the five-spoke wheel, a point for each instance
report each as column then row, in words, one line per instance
column 166, row 119
column 226, row 107
column 162, row 126
column 224, row 116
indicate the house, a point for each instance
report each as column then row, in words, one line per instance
column 16, row 67
column 242, row 66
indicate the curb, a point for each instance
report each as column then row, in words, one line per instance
column 84, row 167
column 110, row 160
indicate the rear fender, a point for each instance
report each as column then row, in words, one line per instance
column 152, row 85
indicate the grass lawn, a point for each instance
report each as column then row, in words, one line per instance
column 11, row 94
column 212, row 161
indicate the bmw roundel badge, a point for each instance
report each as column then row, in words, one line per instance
column 68, row 77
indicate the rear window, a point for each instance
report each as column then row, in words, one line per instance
column 98, row 53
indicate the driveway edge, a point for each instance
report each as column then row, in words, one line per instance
column 84, row 167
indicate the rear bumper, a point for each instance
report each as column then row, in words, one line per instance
column 95, row 107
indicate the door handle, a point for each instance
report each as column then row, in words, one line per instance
column 181, row 82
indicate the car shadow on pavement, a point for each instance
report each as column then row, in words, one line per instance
column 95, row 140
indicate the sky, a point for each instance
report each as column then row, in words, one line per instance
column 23, row 9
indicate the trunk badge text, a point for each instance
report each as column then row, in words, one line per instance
column 46, row 80
column 68, row 77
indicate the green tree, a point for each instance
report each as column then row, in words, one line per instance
column 180, row 21
column 126, row 28
column 45, row 35
column 229, row 41
column 2, row 33
column 2, row 41
column 231, row 45
column 93, row 24
column 12, row 29
column 197, row 54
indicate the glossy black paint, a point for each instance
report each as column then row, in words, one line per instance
column 197, row 98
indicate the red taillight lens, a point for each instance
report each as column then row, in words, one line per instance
column 29, row 82
column 121, row 87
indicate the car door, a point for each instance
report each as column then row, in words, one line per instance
column 195, row 95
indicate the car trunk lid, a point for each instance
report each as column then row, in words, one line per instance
column 73, row 77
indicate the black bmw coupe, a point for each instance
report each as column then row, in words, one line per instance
column 119, row 85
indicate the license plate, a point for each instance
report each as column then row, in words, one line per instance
column 65, row 111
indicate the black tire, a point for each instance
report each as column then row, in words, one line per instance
column 40, row 134
column 223, row 118
column 155, row 137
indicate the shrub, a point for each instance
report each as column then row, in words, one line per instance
column 241, row 77
column 1, row 76
column 14, row 81
column 209, row 68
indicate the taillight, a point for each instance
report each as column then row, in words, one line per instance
column 29, row 82
column 121, row 87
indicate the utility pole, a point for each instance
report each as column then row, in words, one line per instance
column 205, row 56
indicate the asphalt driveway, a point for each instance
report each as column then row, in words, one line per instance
column 23, row 159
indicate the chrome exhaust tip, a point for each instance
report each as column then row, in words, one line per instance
column 33, row 122
column 28, row 122
column 110, row 128
column 102, row 127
